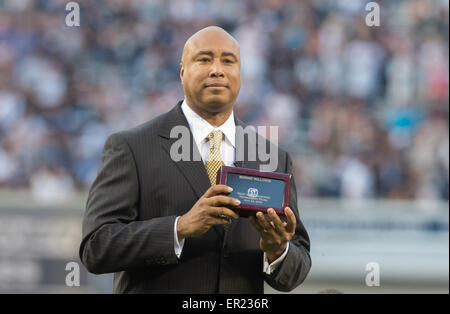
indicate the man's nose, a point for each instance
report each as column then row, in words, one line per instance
column 216, row 69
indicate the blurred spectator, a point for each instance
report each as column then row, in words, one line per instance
column 363, row 110
column 51, row 185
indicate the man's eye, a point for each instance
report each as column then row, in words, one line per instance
column 204, row 59
column 228, row 61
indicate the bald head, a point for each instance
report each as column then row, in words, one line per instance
column 204, row 34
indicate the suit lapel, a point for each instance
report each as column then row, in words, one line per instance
column 194, row 171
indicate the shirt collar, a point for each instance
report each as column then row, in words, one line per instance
column 201, row 128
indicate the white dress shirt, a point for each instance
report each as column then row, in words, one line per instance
column 200, row 129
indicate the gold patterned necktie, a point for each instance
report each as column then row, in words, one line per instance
column 214, row 161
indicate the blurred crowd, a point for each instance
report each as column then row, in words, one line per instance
column 363, row 110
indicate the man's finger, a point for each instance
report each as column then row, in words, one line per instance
column 264, row 223
column 222, row 200
column 256, row 225
column 291, row 220
column 223, row 211
column 217, row 189
column 276, row 221
column 220, row 221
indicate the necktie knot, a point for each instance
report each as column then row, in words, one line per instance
column 216, row 136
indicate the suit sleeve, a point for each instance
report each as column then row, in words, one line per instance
column 295, row 267
column 112, row 238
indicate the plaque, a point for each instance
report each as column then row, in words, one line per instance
column 257, row 190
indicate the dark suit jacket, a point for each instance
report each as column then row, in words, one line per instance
column 128, row 227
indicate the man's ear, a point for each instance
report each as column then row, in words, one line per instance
column 181, row 72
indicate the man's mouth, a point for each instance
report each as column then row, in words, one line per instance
column 216, row 85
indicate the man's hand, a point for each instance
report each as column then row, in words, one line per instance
column 211, row 209
column 275, row 234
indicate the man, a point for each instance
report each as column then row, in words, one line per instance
column 158, row 224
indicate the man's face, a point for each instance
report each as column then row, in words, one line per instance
column 210, row 72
